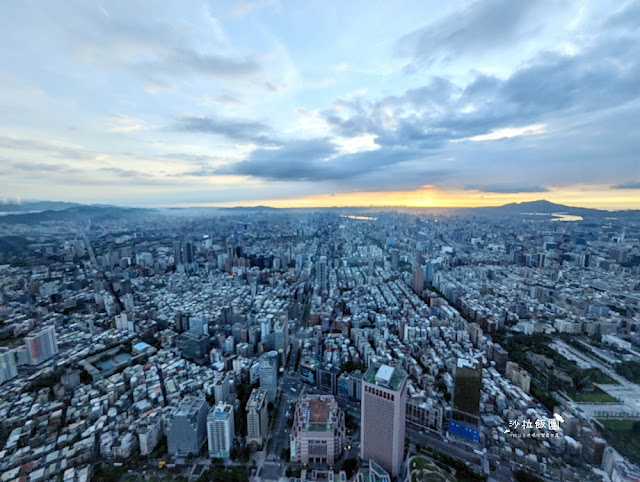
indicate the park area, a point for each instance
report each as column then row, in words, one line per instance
column 624, row 435
column 422, row 469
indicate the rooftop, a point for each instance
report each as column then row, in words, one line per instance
column 188, row 406
column 385, row 376
column 466, row 363
column 318, row 410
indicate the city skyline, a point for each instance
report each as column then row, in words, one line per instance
column 286, row 105
column 242, row 344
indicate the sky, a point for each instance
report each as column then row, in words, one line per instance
column 321, row 103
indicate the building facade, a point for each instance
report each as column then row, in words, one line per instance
column 383, row 412
column 220, row 431
column 195, row 347
column 41, row 346
column 7, row 364
column 465, row 412
column 281, row 338
column 150, row 433
column 257, row 417
column 318, row 431
column 187, row 426
column 269, row 374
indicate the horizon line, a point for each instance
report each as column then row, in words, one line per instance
column 267, row 206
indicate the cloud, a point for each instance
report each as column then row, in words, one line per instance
column 297, row 160
column 481, row 26
column 122, row 172
column 236, row 130
column 524, row 120
column 627, row 185
column 125, row 123
column 41, row 167
column 551, row 100
column 187, row 61
column 508, row 132
column 157, row 51
column 627, row 16
column 229, row 99
column 242, row 9
column 322, row 160
column 506, row 188
column 51, row 148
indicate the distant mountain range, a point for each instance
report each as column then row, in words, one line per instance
column 533, row 207
column 43, row 211
column 546, row 207
column 77, row 213
column 34, row 206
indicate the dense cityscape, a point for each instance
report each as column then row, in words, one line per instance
column 320, row 241
column 311, row 345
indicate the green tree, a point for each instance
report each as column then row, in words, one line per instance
column 350, row 466
column 522, row 476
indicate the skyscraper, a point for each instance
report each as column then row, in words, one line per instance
column 417, row 280
column 383, row 408
column 257, row 417
column 466, row 399
column 220, row 431
column 41, row 346
column 322, row 274
column 187, row 426
column 269, row 374
column 199, row 324
column 177, row 253
column 7, row 364
column 394, row 259
column 281, row 332
column 195, row 347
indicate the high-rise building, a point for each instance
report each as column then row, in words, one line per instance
column 394, row 259
column 222, row 387
column 269, row 374
column 281, row 338
column 199, row 324
column 195, row 347
column 220, row 431
column 189, row 252
column 318, row 431
column 149, row 433
column 7, row 364
column 382, row 421
column 257, row 417
column 417, row 280
column 322, row 273
column 465, row 412
column 41, row 346
column 187, row 426
column 229, row 344
column 177, row 253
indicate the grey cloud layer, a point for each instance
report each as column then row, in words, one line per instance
column 417, row 130
column 483, row 25
column 157, row 50
column 235, row 130
column 506, row 188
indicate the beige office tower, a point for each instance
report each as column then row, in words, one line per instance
column 257, row 417
column 383, row 408
column 318, row 431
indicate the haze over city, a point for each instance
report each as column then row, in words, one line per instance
column 299, row 104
